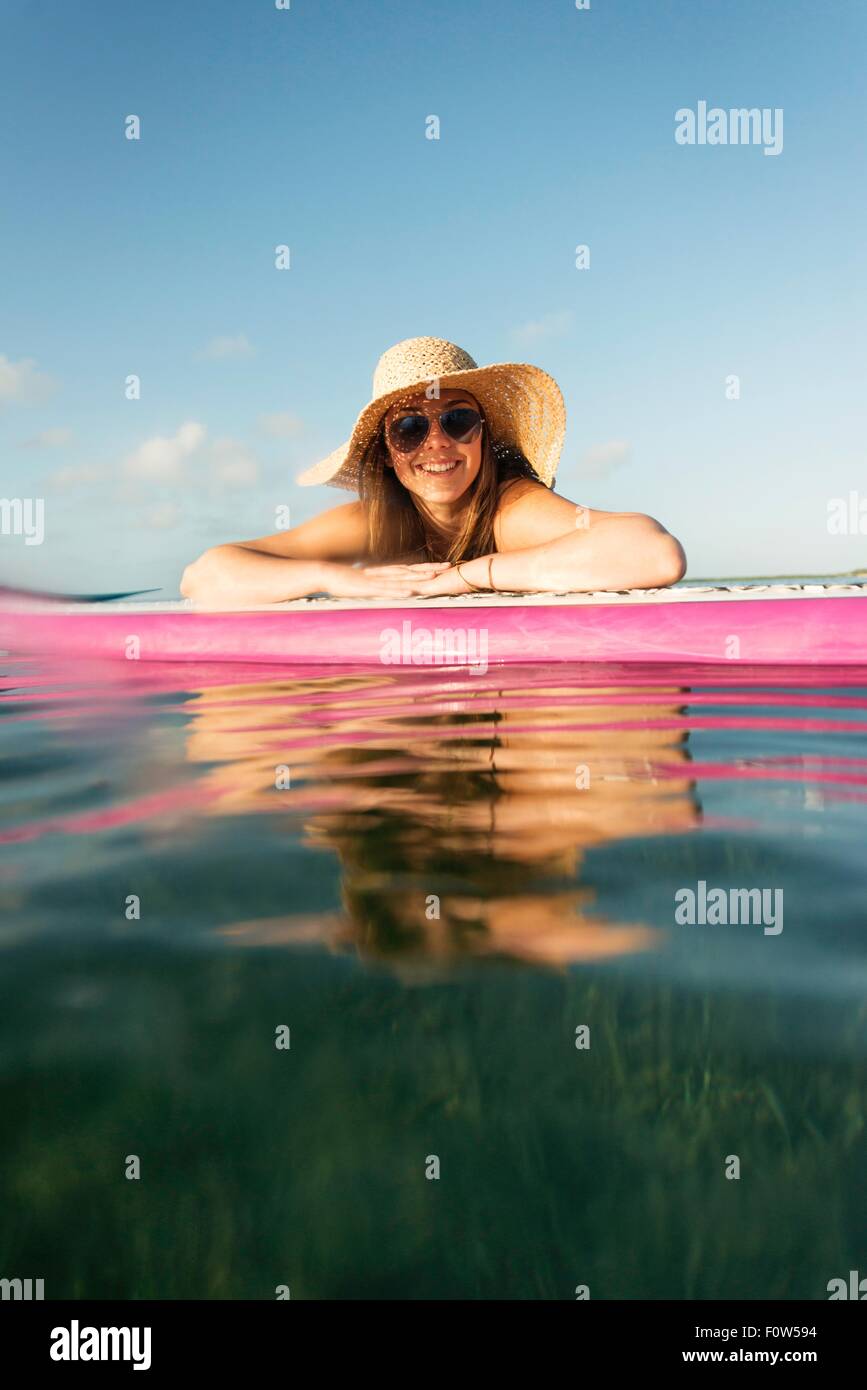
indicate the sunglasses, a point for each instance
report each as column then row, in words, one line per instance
column 408, row 432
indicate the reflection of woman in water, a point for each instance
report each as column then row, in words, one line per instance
column 454, row 465
column 459, row 833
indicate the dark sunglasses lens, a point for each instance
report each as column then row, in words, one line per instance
column 408, row 432
column 461, row 423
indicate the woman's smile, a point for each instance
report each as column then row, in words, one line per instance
column 438, row 468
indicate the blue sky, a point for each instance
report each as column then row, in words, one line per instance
column 306, row 127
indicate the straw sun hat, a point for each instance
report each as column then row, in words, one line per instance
column 523, row 406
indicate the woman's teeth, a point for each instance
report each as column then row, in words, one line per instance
column 438, row 467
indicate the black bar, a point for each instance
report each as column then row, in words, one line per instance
column 227, row 1337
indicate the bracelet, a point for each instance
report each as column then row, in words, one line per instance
column 475, row 587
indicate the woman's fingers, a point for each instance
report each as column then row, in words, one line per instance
column 412, row 571
column 400, row 576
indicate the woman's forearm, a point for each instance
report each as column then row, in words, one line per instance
column 617, row 552
column 234, row 574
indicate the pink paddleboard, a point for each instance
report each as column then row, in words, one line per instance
column 807, row 624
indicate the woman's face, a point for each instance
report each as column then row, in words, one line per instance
column 440, row 470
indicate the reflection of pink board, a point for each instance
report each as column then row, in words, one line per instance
column 810, row 624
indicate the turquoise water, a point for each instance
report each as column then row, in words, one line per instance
column 431, row 880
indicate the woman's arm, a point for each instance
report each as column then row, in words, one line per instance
column 545, row 542
column 289, row 564
column 233, row 575
column 623, row 551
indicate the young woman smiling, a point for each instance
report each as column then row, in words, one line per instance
column 454, row 466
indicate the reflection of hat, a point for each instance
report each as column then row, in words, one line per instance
column 522, row 404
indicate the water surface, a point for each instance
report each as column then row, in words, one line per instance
column 431, row 879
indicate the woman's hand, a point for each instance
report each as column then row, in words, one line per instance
column 381, row 581
column 429, row 580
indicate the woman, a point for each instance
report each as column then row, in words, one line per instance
column 454, row 466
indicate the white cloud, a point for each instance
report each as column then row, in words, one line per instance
column 231, row 463
column 56, row 438
column 162, row 460
column 226, row 346
column 21, row 383
column 163, row 516
column 601, row 459
column 163, row 470
column 280, row 425
column 76, row 474
column 552, row 325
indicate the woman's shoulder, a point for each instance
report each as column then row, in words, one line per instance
column 529, row 513
column 521, row 494
column 510, row 489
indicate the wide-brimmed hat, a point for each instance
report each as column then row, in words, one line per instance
column 523, row 406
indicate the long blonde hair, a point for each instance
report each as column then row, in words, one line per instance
column 397, row 526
